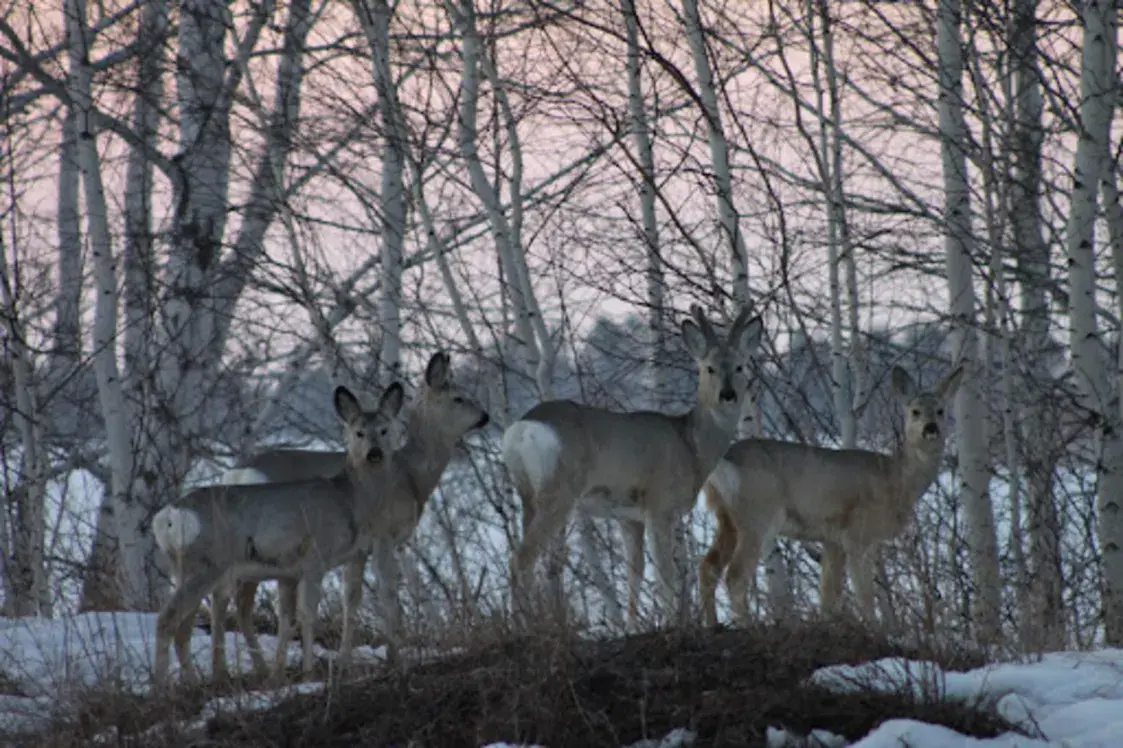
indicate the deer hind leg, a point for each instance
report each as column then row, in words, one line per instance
column 386, row 563
column 540, row 525
column 245, row 594
column 831, row 577
column 556, row 552
column 308, row 605
column 220, row 602
column 352, row 598
column 666, row 552
column 176, row 616
column 286, row 622
column 632, row 531
column 715, row 561
column 182, row 643
column 860, row 564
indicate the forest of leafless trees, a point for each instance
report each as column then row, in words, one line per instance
column 212, row 212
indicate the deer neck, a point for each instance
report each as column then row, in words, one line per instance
column 426, row 454
column 710, row 430
column 917, row 466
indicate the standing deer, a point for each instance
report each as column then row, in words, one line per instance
column 850, row 500
column 441, row 415
column 642, row 468
column 297, row 530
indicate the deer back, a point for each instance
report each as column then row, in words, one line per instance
column 816, row 493
column 283, row 465
column 282, row 523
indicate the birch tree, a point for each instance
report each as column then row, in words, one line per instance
column 530, row 326
column 375, row 17
column 1097, row 391
column 1035, row 433
column 959, row 245
column 140, row 279
column 25, row 573
column 645, row 161
column 779, row 586
column 195, row 314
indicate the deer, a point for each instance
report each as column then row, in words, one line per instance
column 441, row 415
column 642, row 468
column 850, row 500
column 297, row 530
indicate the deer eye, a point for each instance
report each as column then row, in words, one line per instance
column 458, row 400
column 383, row 432
column 915, row 413
column 740, row 368
column 360, row 435
column 711, row 370
column 940, row 412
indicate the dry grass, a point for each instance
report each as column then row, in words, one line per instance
column 727, row 686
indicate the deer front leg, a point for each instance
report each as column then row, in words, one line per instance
column 308, row 605
column 632, row 531
column 860, row 563
column 352, row 598
column 386, row 563
column 663, row 552
column 832, row 576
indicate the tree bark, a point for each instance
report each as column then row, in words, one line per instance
column 1095, row 386
column 959, row 245
column 1037, row 431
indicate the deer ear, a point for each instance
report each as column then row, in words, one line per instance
column 436, row 372
column 392, row 399
column 347, row 406
column 903, row 385
column 697, row 344
column 748, row 339
column 950, row 383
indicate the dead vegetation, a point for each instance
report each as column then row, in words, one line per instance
column 726, row 686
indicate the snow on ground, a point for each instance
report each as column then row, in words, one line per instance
column 41, row 659
column 1074, row 699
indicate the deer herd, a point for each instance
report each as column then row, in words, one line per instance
column 292, row 516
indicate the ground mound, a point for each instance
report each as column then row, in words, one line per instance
column 726, row 686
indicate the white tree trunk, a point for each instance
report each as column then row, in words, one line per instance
column 1096, row 389
column 66, row 351
column 969, row 407
column 1037, row 424
column 197, row 310
column 1114, row 210
column 375, row 16
column 779, row 586
column 831, row 179
column 25, row 573
column 530, row 325
column 130, row 573
column 101, row 591
column 657, row 371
